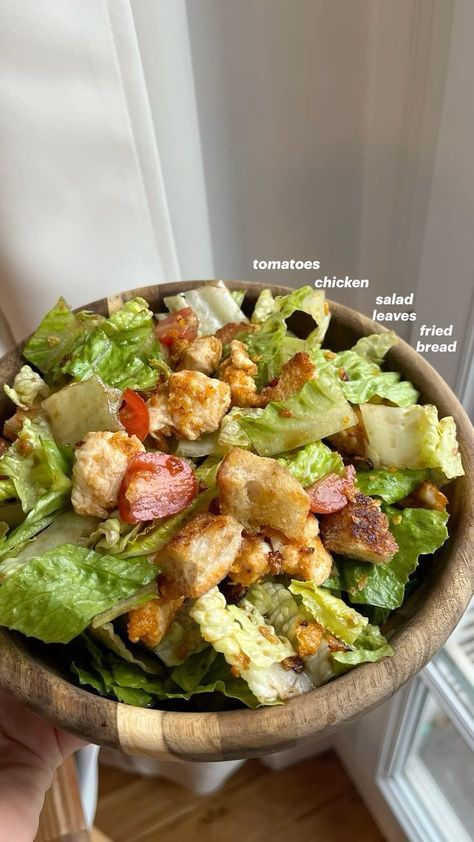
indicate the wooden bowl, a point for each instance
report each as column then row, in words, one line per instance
column 419, row 627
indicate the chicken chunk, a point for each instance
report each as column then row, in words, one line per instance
column 260, row 492
column 202, row 354
column 252, row 561
column 200, row 556
column 294, row 374
column 227, row 333
column 239, row 370
column 360, row 530
column 305, row 559
column 189, row 404
column 426, row 496
column 149, row 623
column 100, row 463
column 353, row 440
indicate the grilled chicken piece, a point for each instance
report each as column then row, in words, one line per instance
column 353, row 440
column 199, row 556
column 309, row 637
column 202, row 354
column 360, row 531
column 149, row 623
column 227, row 333
column 238, row 370
column 252, row 561
column 294, row 374
column 189, row 404
column 426, row 496
column 260, row 492
column 304, row 559
column 100, row 463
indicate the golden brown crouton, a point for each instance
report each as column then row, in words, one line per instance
column 202, row 354
column 360, row 530
column 251, row 562
column 426, row 496
column 294, row 374
column 306, row 558
column 199, row 556
column 238, row 370
column 149, row 623
column 353, row 440
column 227, row 333
column 260, row 492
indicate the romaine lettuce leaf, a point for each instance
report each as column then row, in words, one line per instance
column 417, row 532
column 391, row 486
column 213, row 304
column 28, row 388
column 206, row 472
column 279, row 607
column 411, row 437
column 311, row 462
column 45, row 512
column 271, row 348
column 109, row 638
column 231, row 433
column 318, row 410
column 305, row 300
column 374, row 347
column 113, row 535
column 202, row 446
column 123, row 351
column 370, row 646
column 81, row 408
column 264, row 306
column 329, row 611
column 182, row 640
column 238, row 295
column 60, row 332
column 55, row 596
column 237, row 633
column 387, row 386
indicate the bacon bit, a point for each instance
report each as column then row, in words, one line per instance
column 294, row 663
column 331, row 493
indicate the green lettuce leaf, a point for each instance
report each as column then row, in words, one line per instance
column 374, row 347
column 55, row 596
column 182, row 640
column 231, row 433
column 318, row 410
column 387, row 386
column 412, row 437
column 109, row 638
column 305, row 300
column 113, row 535
column 279, row 607
column 271, row 348
column 123, row 351
column 206, row 472
column 329, row 611
column 28, row 388
column 60, row 332
column 81, row 408
column 417, row 532
column 264, row 306
column 311, row 462
column 370, row 646
column 238, row 295
column 213, row 304
column 391, row 486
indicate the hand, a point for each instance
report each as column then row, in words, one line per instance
column 30, row 751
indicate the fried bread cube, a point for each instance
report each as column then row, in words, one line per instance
column 260, row 492
column 360, row 531
column 199, row 556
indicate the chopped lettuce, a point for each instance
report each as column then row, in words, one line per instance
column 55, row 596
column 270, row 347
column 203, row 446
column 238, row 295
column 417, row 532
column 123, row 606
column 107, row 635
column 113, row 535
column 264, row 306
column 329, row 611
column 305, row 300
column 386, row 386
column 81, row 408
column 411, row 437
column 370, row 646
column 28, row 388
column 213, row 304
column 58, row 335
column 231, row 433
column 374, row 347
column 391, row 486
column 123, row 351
column 182, row 640
column 311, row 462
column 206, row 472
column 279, row 607
column 249, row 645
column 318, row 410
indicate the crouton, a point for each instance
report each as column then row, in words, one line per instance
column 360, row 531
column 294, row 374
column 426, row 496
column 100, row 463
column 227, row 333
column 199, row 556
column 149, row 623
column 353, row 440
column 251, row 562
column 202, row 354
column 260, row 492
column 196, row 403
column 239, row 370
column 306, row 558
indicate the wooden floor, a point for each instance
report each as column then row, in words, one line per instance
column 313, row 801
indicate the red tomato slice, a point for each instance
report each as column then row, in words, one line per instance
column 134, row 415
column 330, row 494
column 155, row 485
column 180, row 325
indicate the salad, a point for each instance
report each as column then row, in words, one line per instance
column 200, row 505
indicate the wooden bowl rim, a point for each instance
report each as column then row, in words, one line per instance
column 245, row 733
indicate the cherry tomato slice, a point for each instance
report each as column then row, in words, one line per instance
column 134, row 415
column 330, row 494
column 180, row 325
column 155, row 485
